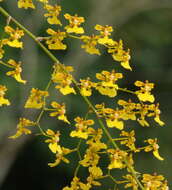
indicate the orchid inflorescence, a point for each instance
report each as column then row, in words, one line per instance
column 119, row 150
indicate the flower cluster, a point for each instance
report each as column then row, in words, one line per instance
column 108, row 85
column 53, row 13
column 55, row 40
column 16, row 72
column 14, row 37
column 74, row 24
column 90, row 43
column 154, row 182
column 103, row 130
column 22, row 127
column 36, row 99
column 82, row 129
column 62, row 77
column 60, row 152
column 119, row 54
column 59, row 111
column 91, row 159
column 2, row 94
column 130, row 111
column 25, row 4
column 105, row 32
column 144, row 92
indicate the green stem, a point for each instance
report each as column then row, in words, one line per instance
column 6, row 14
column 76, row 37
column 43, row 109
column 41, row 130
column 126, row 90
column 50, row 109
column 39, row 116
column 111, row 177
column 9, row 66
column 48, row 85
column 78, row 147
column 80, row 158
column 120, row 139
column 55, row 60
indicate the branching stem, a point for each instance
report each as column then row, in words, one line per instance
column 88, row 102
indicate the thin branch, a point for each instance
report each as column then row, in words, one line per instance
column 54, row 59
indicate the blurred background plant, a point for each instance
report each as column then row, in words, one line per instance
column 145, row 27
